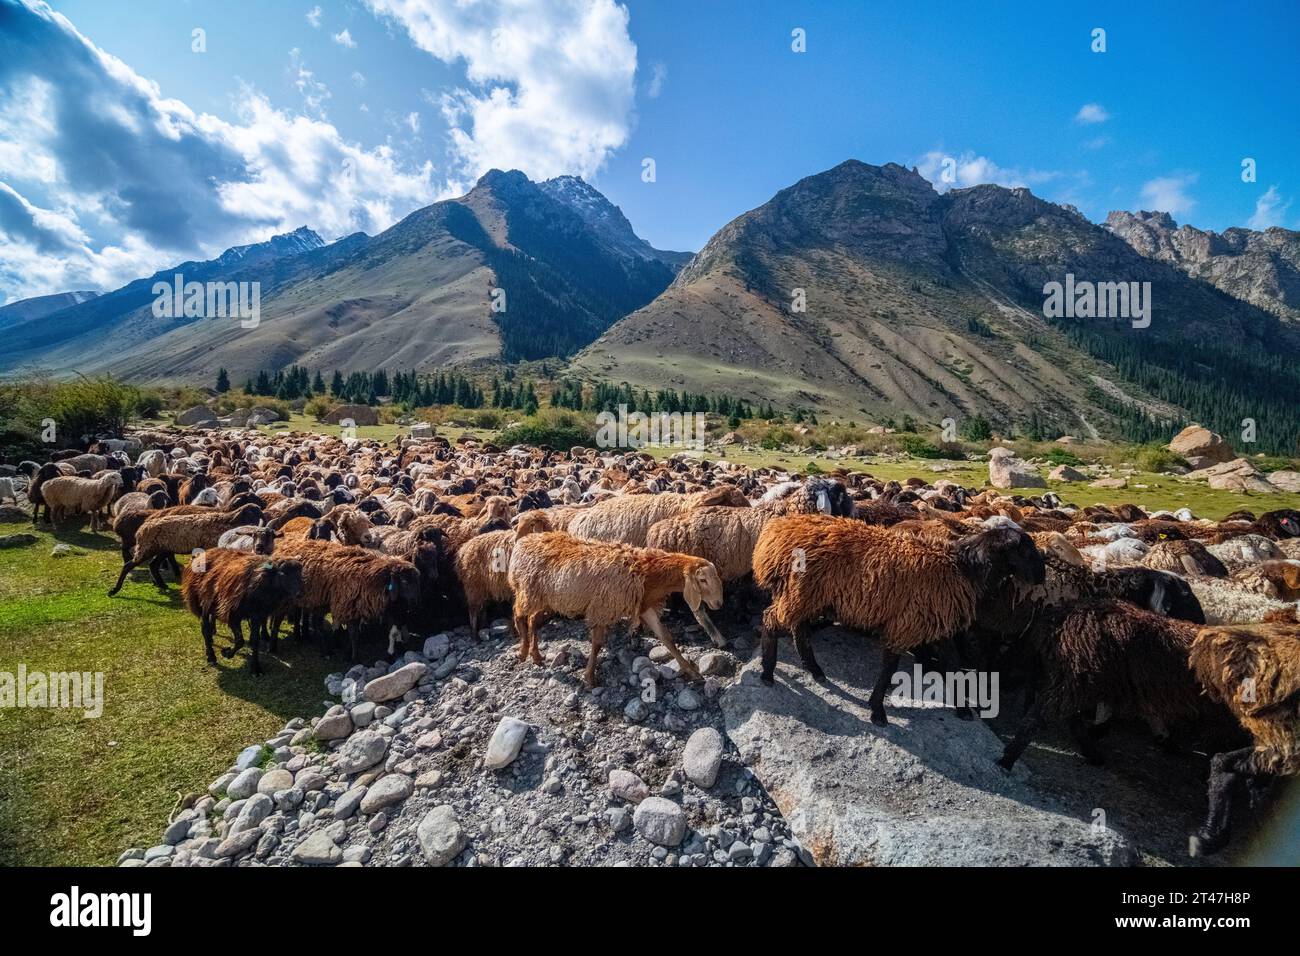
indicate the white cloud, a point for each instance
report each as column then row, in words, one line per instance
column 314, row 92
column 106, row 180
column 658, row 73
column 1091, row 113
column 344, row 38
column 413, row 121
column 968, row 169
column 1097, row 143
column 1269, row 210
column 552, row 80
column 313, row 17
column 358, row 78
column 1169, row 194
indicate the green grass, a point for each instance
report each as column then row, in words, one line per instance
column 79, row 791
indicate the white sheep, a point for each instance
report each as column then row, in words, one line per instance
column 69, row 494
column 8, row 490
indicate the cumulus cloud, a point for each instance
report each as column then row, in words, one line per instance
column 105, row 179
column 1269, row 210
column 551, row 82
column 954, row 171
column 658, row 73
column 313, row 17
column 344, row 38
column 1091, row 113
column 314, row 92
column 1169, row 194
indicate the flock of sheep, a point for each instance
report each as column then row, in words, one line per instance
column 1092, row 611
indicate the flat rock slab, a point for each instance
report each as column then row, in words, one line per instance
column 923, row 791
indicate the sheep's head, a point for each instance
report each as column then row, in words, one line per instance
column 1058, row 545
column 702, row 585
column 1171, row 596
column 1000, row 552
column 282, row 577
column 403, row 585
column 531, row 522
column 264, row 540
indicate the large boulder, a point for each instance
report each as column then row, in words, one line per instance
column 198, row 415
column 1285, row 480
column 923, row 791
column 360, row 415
column 1238, row 475
column 1008, row 471
column 1195, row 441
column 1066, row 473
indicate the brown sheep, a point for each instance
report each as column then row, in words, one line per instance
column 912, row 593
column 627, row 519
column 482, row 564
column 166, row 534
column 1255, row 672
column 1104, row 653
column 603, row 583
column 233, row 587
column 1188, row 557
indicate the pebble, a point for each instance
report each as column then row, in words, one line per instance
column 394, row 685
column 660, row 821
column 245, row 785
column 441, row 836
column 250, row 756
column 317, row 850
column 626, row 785
column 506, row 740
column 702, row 757
column 387, row 791
column 347, row 804
column 274, row 780
column 362, row 750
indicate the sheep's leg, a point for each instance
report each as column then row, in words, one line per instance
column 353, row 634
column 1029, row 725
column 1226, row 769
column 1081, row 731
column 651, row 620
column 769, row 638
column 597, row 642
column 521, row 628
column 155, row 572
column 255, row 638
column 473, row 621
column 535, row 623
column 706, row 622
column 237, row 629
column 888, row 665
column 946, row 660
column 127, row 567
column 208, row 627
column 803, row 644
column 171, row 562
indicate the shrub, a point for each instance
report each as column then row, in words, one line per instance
column 918, row 447
column 318, row 408
column 1060, row 456
column 552, row 428
column 1158, row 458
column 487, row 418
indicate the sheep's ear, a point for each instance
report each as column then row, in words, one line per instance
column 691, row 590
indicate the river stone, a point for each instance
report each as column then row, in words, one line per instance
column 394, row 685
column 626, row 785
column 273, row 780
column 362, row 750
column 387, row 791
column 660, row 821
column 245, row 785
column 702, row 757
column 506, row 740
column 441, row 836
column 335, row 724
column 317, row 850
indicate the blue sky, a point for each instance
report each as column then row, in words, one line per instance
column 112, row 167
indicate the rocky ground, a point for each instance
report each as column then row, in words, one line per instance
column 460, row 754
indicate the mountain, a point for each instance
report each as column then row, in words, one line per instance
column 40, row 306
column 418, row 295
column 608, row 221
column 1260, row 267
column 932, row 305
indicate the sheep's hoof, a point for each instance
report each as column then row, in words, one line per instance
column 818, row 674
column 1003, row 764
column 878, row 717
column 768, row 679
column 227, row 653
column 1203, row 843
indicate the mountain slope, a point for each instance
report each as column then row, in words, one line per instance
column 40, row 306
column 1262, row 268
column 418, row 295
column 916, row 303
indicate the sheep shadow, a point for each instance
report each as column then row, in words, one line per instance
column 79, row 535
column 1153, row 798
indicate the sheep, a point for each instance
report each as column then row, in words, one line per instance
column 1108, row 654
column 482, row 563
column 1243, row 550
column 1227, row 602
column 1275, row 579
column 1186, row 557
column 810, row 497
column 153, row 462
column 873, row 579
column 170, row 534
column 355, row 586
column 603, row 583
column 628, row 518
column 127, row 523
column 494, row 517
column 7, row 490
column 1255, row 673
column 250, row 539
column 231, row 587
column 70, row 495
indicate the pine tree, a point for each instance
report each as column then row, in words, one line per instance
column 223, row 381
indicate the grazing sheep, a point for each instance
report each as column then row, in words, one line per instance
column 627, row 519
column 872, row 579
column 814, row 496
column 1104, row 653
column 483, row 562
column 168, row 534
column 1255, row 673
column 1244, row 550
column 1275, row 579
column 1226, row 602
column 71, row 495
column 7, row 490
column 603, row 583
column 234, row 587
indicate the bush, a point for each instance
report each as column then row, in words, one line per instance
column 561, row 430
column 1059, row 456
column 487, row 418
column 1158, row 458
column 318, row 408
column 80, row 409
column 918, row 447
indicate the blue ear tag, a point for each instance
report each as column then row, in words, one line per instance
column 390, row 585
